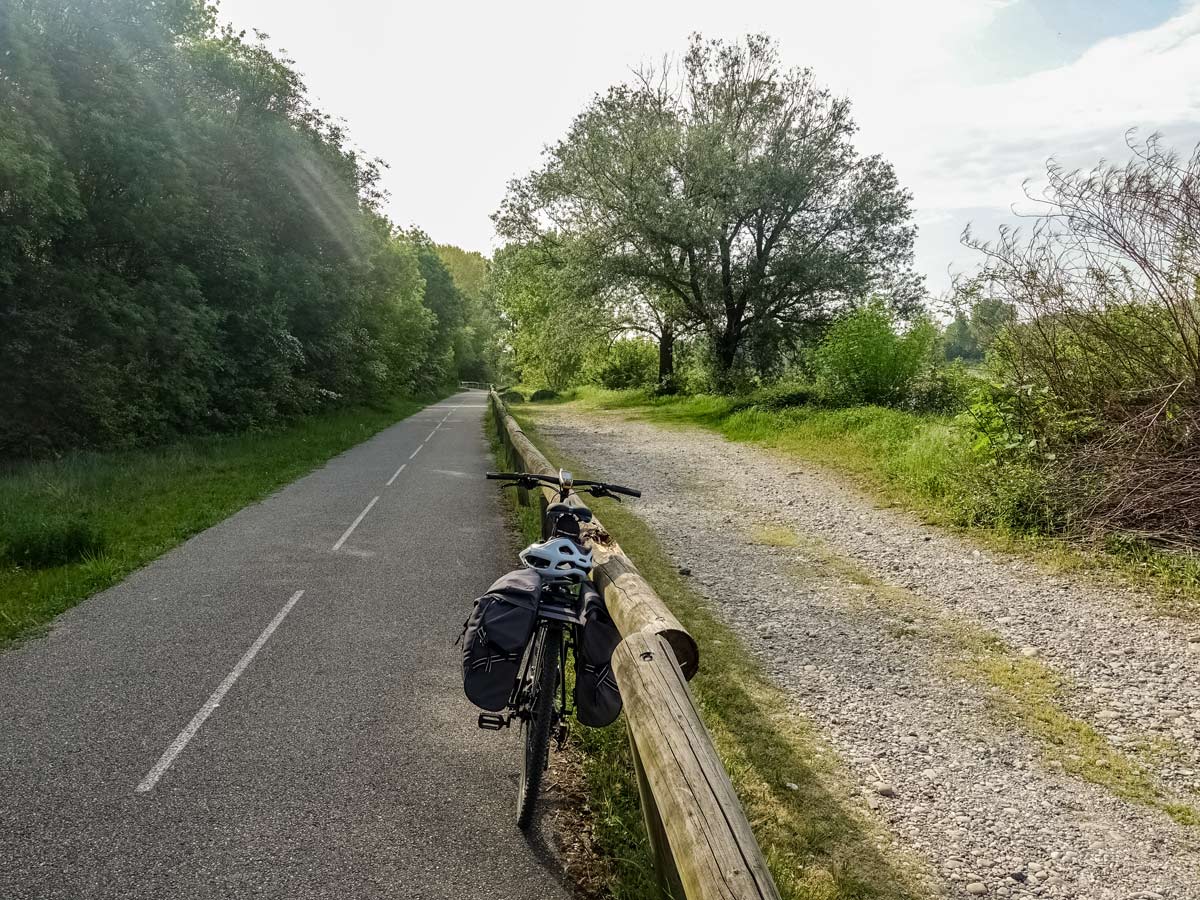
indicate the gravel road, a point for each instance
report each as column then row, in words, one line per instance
column 964, row 787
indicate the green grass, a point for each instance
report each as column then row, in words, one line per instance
column 819, row 841
column 73, row 526
column 912, row 457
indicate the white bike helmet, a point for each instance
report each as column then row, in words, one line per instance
column 559, row 559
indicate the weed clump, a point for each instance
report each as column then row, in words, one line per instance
column 43, row 543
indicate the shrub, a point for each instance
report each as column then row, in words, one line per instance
column 942, row 389
column 627, row 363
column 512, row 397
column 864, row 359
column 42, row 543
column 543, row 394
column 784, row 396
column 1102, row 343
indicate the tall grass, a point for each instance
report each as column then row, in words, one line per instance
column 916, row 458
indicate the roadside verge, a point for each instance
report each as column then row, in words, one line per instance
column 73, row 526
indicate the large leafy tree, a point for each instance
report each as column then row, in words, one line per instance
column 553, row 324
column 186, row 243
column 728, row 193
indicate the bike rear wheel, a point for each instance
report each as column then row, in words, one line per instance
column 537, row 727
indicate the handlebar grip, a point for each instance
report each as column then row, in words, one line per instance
column 503, row 476
column 628, row 492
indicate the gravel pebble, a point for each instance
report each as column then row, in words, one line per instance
column 993, row 813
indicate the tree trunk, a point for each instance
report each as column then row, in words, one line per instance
column 666, row 359
column 726, row 356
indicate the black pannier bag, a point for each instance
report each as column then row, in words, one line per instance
column 597, row 699
column 495, row 637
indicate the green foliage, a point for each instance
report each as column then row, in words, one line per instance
column 448, row 305
column 959, row 341
column 626, row 363
column 943, row 388
column 477, row 349
column 729, row 198
column 863, row 359
column 782, row 396
column 553, row 324
column 52, row 540
column 186, row 244
column 1100, row 371
column 990, row 317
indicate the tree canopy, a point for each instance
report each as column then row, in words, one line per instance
column 728, row 194
column 186, row 243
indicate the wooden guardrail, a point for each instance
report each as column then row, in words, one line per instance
column 476, row 385
column 702, row 843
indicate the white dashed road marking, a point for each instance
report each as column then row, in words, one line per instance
column 349, row 531
column 210, row 705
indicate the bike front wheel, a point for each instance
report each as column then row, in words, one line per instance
column 538, row 725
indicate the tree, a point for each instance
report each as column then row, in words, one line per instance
column 553, row 325
column 186, row 243
column 728, row 191
column 958, row 341
column 479, row 350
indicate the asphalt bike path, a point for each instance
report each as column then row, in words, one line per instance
column 274, row 708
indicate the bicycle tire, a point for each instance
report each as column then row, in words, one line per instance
column 536, row 729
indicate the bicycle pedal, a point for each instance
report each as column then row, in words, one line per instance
column 492, row 721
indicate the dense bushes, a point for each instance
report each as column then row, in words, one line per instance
column 626, row 363
column 865, row 359
column 1098, row 377
column 186, row 244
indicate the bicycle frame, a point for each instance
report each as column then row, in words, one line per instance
column 564, row 614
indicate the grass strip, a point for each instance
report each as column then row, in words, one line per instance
column 919, row 461
column 73, row 526
column 819, row 842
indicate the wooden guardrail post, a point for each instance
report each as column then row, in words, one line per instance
column 665, row 872
column 711, row 845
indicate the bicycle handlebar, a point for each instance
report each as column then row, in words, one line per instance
column 553, row 481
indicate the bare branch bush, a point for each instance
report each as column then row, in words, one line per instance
column 1105, row 287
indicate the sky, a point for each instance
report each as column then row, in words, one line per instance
column 967, row 98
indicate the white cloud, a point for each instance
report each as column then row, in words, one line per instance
column 963, row 148
column 460, row 97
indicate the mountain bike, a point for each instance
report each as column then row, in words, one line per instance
column 539, row 701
